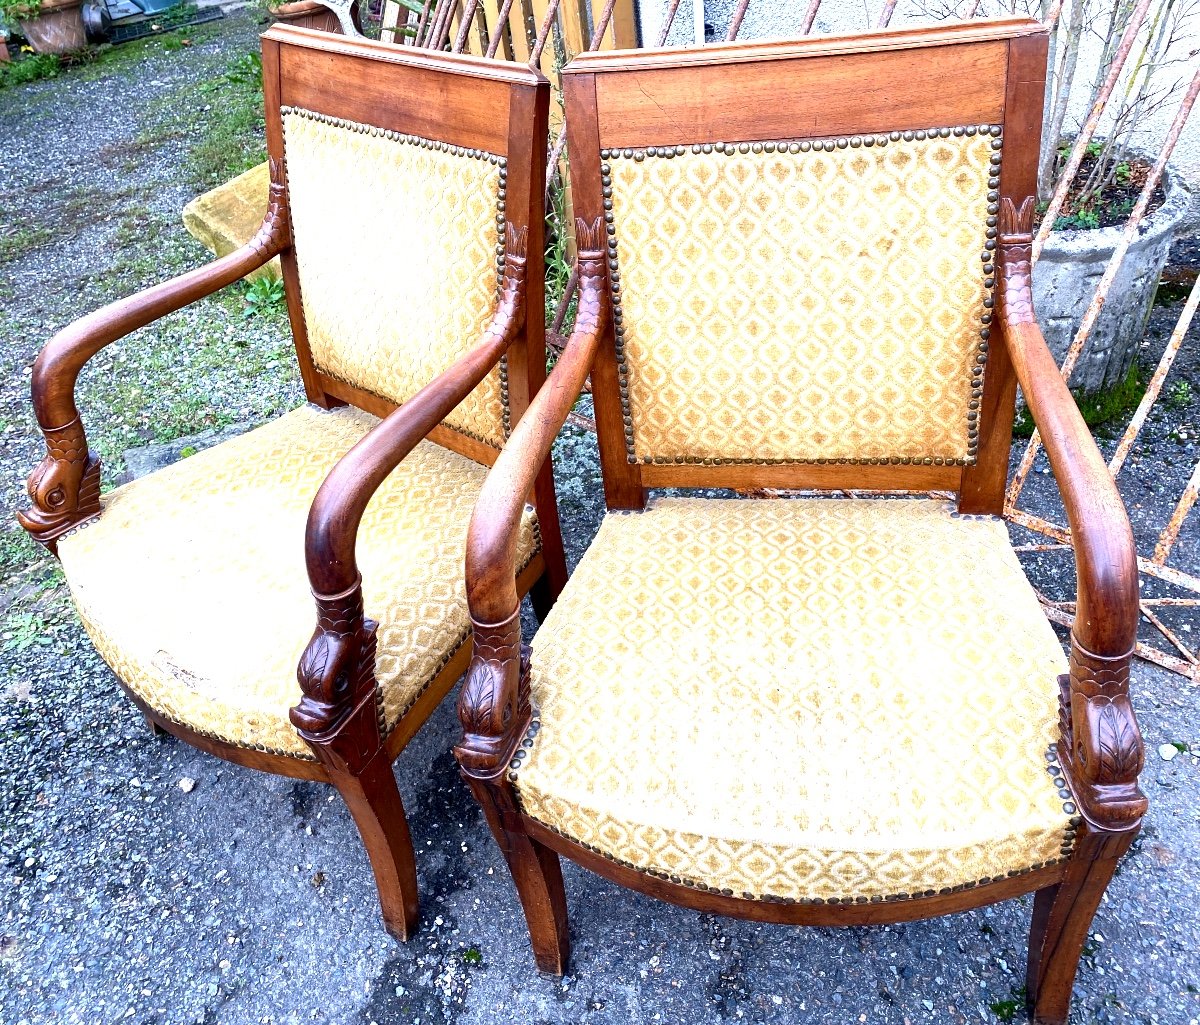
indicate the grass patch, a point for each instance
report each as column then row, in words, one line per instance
column 1101, row 411
column 16, row 241
column 232, row 138
column 32, row 68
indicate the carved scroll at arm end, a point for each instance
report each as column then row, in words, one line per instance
column 494, row 705
column 64, row 488
column 1101, row 748
column 337, row 679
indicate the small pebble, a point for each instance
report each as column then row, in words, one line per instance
column 1167, row 751
column 187, row 784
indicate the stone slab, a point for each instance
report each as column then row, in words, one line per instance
column 139, row 462
column 229, row 215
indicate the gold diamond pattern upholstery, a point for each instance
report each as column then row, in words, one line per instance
column 395, row 285
column 810, row 699
column 192, row 582
column 786, row 304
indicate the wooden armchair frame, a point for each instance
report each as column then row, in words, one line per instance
column 874, row 83
column 500, row 108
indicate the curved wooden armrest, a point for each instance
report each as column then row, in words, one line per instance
column 65, row 487
column 336, row 665
column 1101, row 748
column 494, row 704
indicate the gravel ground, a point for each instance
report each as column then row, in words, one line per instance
column 142, row 881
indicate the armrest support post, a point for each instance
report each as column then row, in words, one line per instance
column 64, row 489
column 337, row 667
column 1101, row 746
column 494, row 706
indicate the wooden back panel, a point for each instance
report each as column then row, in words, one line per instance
column 677, row 128
column 406, row 169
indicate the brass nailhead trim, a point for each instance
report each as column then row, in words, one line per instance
column 978, row 364
column 1066, row 849
column 501, row 219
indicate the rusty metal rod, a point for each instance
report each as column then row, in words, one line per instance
column 1166, row 631
column 1128, row 236
column 1079, row 149
column 1044, row 527
column 556, row 152
column 1156, row 382
column 1143, row 651
column 668, row 21
column 500, row 29
column 1171, row 531
column 602, row 24
column 543, row 36
column 441, row 24
column 735, row 24
column 560, row 314
column 810, row 16
column 422, row 22
column 464, row 26
column 560, row 143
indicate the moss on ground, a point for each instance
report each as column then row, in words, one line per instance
column 1103, row 411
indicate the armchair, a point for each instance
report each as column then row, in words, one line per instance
column 406, row 209
column 806, row 266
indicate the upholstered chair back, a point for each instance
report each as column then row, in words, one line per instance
column 398, row 201
column 805, row 278
column 820, row 299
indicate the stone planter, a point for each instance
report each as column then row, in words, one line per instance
column 306, row 14
column 58, row 28
column 1069, row 270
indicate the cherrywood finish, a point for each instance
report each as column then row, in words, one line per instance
column 789, row 90
column 862, row 913
column 462, row 101
column 983, row 483
column 64, row 489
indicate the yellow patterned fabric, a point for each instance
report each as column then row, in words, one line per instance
column 396, row 250
column 193, row 587
column 803, row 306
column 810, row 699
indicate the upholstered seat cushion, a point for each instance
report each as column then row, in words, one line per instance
column 809, row 699
column 192, row 582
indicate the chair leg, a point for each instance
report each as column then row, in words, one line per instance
column 542, row 596
column 1062, row 916
column 537, row 875
column 155, row 729
column 374, row 802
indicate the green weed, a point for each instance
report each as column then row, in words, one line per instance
column 31, row 68
column 262, row 294
column 1179, row 394
column 22, row 630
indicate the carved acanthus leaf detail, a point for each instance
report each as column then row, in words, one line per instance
column 337, row 668
column 1102, row 740
column 494, row 704
column 589, row 237
column 1014, row 284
